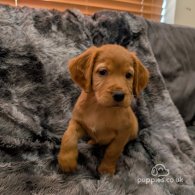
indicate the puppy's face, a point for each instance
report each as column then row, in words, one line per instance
column 111, row 72
column 112, row 78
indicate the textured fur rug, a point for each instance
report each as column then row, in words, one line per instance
column 37, row 96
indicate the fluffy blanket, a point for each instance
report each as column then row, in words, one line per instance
column 37, row 96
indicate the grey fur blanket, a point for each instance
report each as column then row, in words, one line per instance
column 37, row 96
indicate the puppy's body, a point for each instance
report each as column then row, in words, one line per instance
column 110, row 76
column 102, row 123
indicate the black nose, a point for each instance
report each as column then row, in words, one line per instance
column 118, row 96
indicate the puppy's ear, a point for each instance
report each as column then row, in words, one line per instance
column 81, row 68
column 141, row 76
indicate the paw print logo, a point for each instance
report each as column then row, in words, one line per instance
column 159, row 170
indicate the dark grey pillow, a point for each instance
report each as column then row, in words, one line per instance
column 173, row 47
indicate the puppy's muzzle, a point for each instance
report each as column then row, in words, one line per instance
column 118, row 96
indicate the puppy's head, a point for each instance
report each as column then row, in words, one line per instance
column 111, row 72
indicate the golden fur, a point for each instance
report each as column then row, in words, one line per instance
column 109, row 77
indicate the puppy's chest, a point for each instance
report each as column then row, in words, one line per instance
column 105, row 123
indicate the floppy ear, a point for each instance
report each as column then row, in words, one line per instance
column 81, row 68
column 141, row 76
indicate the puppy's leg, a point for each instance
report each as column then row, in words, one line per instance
column 134, row 128
column 112, row 153
column 67, row 157
column 133, row 134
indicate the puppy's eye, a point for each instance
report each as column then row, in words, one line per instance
column 103, row 72
column 128, row 75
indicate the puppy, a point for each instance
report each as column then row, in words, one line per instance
column 109, row 76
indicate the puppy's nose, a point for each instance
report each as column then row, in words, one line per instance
column 118, row 96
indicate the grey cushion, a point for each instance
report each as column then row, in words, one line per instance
column 173, row 47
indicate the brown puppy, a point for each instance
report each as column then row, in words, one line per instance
column 109, row 77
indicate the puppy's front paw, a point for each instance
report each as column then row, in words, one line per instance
column 67, row 164
column 106, row 169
